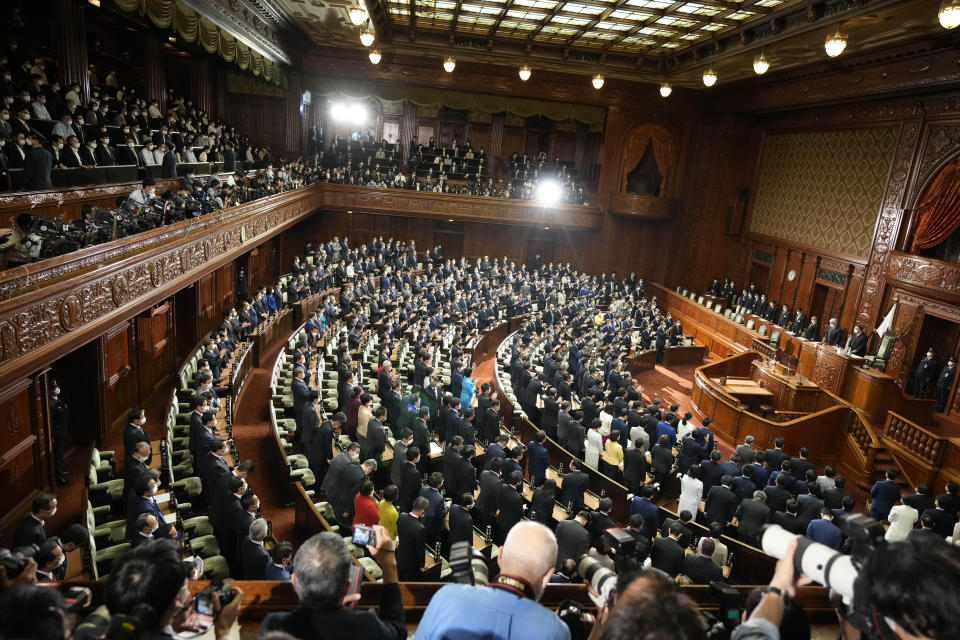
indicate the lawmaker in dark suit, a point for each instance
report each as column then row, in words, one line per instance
column 134, row 433
column 634, row 469
column 510, row 505
column 721, row 502
column 885, row 494
column 834, row 333
column 667, row 554
column 142, row 501
column 858, row 342
column 30, row 530
column 410, row 481
column 573, row 539
column 460, row 521
column 574, row 485
column 752, row 514
column 411, row 547
column 699, row 567
column 812, row 332
column 253, row 555
column 538, row 459
column 169, row 167
column 37, row 166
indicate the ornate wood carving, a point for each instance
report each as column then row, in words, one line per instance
column 941, row 277
column 888, row 223
column 942, row 143
column 825, row 373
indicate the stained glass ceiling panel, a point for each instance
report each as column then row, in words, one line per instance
column 633, row 26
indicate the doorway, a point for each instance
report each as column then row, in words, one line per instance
column 759, row 275
column 76, row 375
column 826, row 303
column 939, row 334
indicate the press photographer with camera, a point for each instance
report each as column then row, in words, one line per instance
column 507, row 609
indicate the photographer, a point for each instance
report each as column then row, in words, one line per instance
column 321, row 578
column 507, row 609
column 148, row 589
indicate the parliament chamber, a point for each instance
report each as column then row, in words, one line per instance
column 363, row 304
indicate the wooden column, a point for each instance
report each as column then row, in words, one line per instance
column 155, row 83
column 495, row 158
column 294, row 120
column 610, row 165
column 71, row 33
column 202, row 83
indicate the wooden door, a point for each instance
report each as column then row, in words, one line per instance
column 75, row 373
column 827, row 303
column 451, row 241
column 116, row 375
column 155, row 349
column 194, row 307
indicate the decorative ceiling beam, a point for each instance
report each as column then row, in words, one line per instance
column 246, row 23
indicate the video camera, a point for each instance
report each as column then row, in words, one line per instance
column 468, row 565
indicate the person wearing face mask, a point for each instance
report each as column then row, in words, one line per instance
column 145, row 193
column 5, row 129
column 72, row 155
column 169, row 168
column 56, row 150
column 134, row 433
column 103, row 154
column 64, row 126
column 924, row 375
column 142, row 500
column 857, row 342
column 31, row 528
column 7, row 86
column 127, row 153
column 88, row 153
column 4, row 160
column 149, row 156
column 36, row 165
column 49, row 558
column 60, row 418
column 39, row 107
column 146, row 525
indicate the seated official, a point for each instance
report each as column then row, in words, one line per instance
column 507, row 609
column 321, row 577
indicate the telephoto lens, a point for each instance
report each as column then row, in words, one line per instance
column 822, row 564
column 603, row 581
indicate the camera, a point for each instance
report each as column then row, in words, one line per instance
column 603, row 581
column 15, row 561
column 363, row 536
column 623, row 549
column 219, row 587
column 468, row 565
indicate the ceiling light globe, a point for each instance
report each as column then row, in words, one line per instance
column 375, row 56
column 367, row 37
column 835, row 44
column 760, row 64
column 709, row 77
column 597, row 81
column 666, row 89
column 449, row 64
column 949, row 14
column 358, row 15
column 525, row 72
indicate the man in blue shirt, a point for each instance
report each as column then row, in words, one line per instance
column 508, row 608
column 824, row 531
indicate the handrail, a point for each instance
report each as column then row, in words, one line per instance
column 919, row 441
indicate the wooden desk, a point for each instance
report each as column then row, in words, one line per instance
column 684, row 354
column 269, row 333
column 642, row 361
column 790, row 392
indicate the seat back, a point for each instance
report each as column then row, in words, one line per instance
column 762, row 330
column 774, row 338
column 750, row 324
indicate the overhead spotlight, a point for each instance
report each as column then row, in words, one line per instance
column 358, row 15
column 835, row 44
column 367, row 37
column 375, row 56
column 339, row 111
column 949, row 14
column 449, row 64
column 710, row 77
column 548, row 192
column 665, row 89
column 358, row 114
column 597, row 81
column 525, row 72
column 760, row 64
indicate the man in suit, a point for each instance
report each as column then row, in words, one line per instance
column 538, row 459
column 320, row 447
column 253, row 555
column 550, row 414
column 134, row 433
column 812, row 332
column 37, row 165
column 644, row 506
column 212, row 467
column 460, row 520
column 373, row 444
column 745, row 450
column 857, row 342
column 486, row 506
column 921, row 500
column 834, row 333
column 686, row 534
column 201, row 435
column 142, row 501
column 103, row 154
column 778, row 494
column 945, row 383
column 573, row 539
column 788, row 518
column 465, row 427
column 721, row 502
column 510, row 504
column 925, row 535
column 411, row 547
column 31, row 528
column 301, row 396
column 700, row 567
column 146, row 525
column 249, row 506
column 634, row 468
column 667, row 554
column 773, row 458
column 884, row 494
column 436, row 511
column 942, row 520
column 824, row 531
column 410, row 482
column 575, row 483
column 135, row 467
column 800, row 466
column 710, row 472
column 752, row 513
column 576, row 435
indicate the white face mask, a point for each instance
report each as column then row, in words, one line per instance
column 75, row 145
column 56, row 391
column 53, row 512
column 143, row 420
column 25, row 117
column 80, row 121
column 93, row 145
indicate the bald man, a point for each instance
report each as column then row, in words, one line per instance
column 507, row 609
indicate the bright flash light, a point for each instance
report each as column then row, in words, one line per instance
column 548, row 192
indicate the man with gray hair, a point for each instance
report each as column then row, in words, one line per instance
column 745, row 451
column 321, row 578
column 253, row 555
column 507, row 609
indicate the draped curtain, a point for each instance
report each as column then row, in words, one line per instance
column 938, row 214
column 636, row 145
column 193, row 27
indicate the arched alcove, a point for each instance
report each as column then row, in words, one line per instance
column 646, row 161
column 935, row 228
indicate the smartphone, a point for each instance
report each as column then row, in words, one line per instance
column 364, row 535
column 356, row 579
column 204, row 605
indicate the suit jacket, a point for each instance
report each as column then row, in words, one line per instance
column 138, row 505
column 373, row 444
column 777, row 498
column 885, row 494
column 667, row 555
column 486, row 504
column 833, row 335
column 29, row 531
column 253, row 559
column 409, row 486
column 574, row 485
column 789, row 521
column 36, row 169
column 774, row 458
column 720, row 505
column 132, row 434
column 510, row 504
column 752, row 514
column 411, row 550
column 573, row 540
column 942, row 521
column 745, row 453
column 538, row 459
column 634, row 469
column 399, row 458
column 799, row 467
column 461, row 525
column 858, row 344
column 700, row 569
column 812, row 332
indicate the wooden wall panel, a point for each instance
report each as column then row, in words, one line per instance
column 117, row 382
column 156, row 354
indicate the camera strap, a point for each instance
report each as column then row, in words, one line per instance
column 513, row 584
